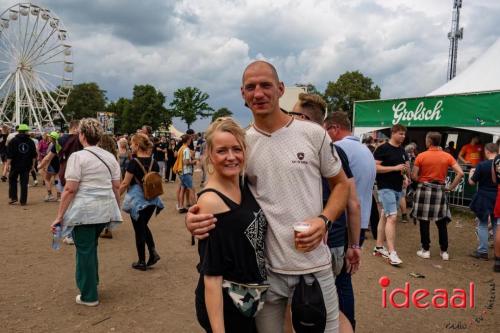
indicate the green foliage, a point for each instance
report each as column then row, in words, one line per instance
column 121, row 109
column 147, row 107
column 85, row 100
column 222, row 112
column 350, row 87
column 190, row 103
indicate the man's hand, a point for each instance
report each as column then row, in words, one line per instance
column 309, row 240
column 399, row 167
column 353, row 259
column 199, row 224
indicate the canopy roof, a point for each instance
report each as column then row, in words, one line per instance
column 482, row 75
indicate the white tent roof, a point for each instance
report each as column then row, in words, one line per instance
column 483, row 75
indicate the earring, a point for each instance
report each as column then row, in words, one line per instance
column 210, row 168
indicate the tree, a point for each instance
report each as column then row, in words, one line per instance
column 222, row 112
column 85, row 100
column 121, row 110
column 350, row 87
column 147, row 107
column 189, row 103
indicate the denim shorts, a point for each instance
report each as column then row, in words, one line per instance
column 389, row 200
column 187, row 180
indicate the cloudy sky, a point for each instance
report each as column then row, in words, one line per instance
column 401, row 44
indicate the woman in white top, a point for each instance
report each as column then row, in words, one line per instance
column 89, row 203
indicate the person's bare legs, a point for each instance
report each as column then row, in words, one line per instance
column 344, row 324
column 390, row 232
column 288, row 326
column 381, row 229
column 402, row 205
column 181, row 197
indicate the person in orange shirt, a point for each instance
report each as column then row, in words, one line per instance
column 430, row 204
column 472, row 153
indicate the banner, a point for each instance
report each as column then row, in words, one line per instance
column 473, row 110
column 107, row 121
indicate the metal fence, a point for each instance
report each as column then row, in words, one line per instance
column 463, row 193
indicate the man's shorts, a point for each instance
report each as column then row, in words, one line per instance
column 389, row 200
column 187, row 180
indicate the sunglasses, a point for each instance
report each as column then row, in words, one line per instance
column 299, row 115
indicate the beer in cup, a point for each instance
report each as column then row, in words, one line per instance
column 297, row 229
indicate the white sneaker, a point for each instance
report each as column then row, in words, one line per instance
column 68, row 240
column 49, row 198
column 380, row 252
column 394, row 259
column 445, row 255
column 79, row 301
column 35, row 183
column 424, row 254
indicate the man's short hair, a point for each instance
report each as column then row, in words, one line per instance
column 339, row 118
column 315, row 105
column 398, row 128
column 261, row 62
column 434, row 137
column 74, row 124
column 491, row 147
column 185, row 138
column 190, row 131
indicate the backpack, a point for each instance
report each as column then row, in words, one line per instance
column 151, row 182
column 71, row 145
column 178, row 165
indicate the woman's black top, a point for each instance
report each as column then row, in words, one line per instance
column 136, row 169
column 170, row 154
column 235, row 251
column 235, row 247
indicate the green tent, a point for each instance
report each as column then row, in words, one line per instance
column 478, row 112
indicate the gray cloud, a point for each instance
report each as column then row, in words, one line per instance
column 401, row 44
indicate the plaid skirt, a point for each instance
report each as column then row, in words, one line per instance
column 430, row 203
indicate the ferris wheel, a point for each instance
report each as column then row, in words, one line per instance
column 36, row 67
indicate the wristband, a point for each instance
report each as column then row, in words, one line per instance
column 355, row 246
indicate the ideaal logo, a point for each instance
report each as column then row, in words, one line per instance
column 423, row 298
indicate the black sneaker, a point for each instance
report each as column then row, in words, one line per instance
column 4, row 179
column 404, row 218
column 12, row 201
column 496, row 267
column 140, row 265
column 479, row 255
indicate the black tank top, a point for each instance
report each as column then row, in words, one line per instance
column 235, row 247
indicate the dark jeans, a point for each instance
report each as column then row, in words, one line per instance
column 425, row 239
column 345, row 293
column 143, row 235
column 169, row 172
column 374, row 218
column 23, row 180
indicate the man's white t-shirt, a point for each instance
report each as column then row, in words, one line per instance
column 186, row 168
column 85, row 168
column 284, row 172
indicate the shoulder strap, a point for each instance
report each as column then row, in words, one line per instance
column 140, row 164
column 493, row 172
column 101, row 161
column 230, row 203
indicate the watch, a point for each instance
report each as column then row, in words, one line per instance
column 328, row 223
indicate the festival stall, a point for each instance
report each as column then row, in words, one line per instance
column 464, row 107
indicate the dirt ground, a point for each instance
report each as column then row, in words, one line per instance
column 37, row 286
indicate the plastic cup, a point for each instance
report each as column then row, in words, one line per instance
column 298, row 228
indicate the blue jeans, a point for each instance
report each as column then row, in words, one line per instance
column 482, row 231
column 389, row 200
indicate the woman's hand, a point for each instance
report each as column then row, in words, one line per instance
column 57, row 221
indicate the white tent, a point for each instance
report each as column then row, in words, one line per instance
column 481, row 76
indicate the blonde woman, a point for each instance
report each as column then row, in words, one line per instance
column 232, row 257
column 89, row 203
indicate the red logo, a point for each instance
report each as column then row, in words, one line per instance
column 439, row 298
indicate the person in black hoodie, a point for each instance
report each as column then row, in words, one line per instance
column 21, row 157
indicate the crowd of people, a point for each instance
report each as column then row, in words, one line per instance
column 283, row 213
